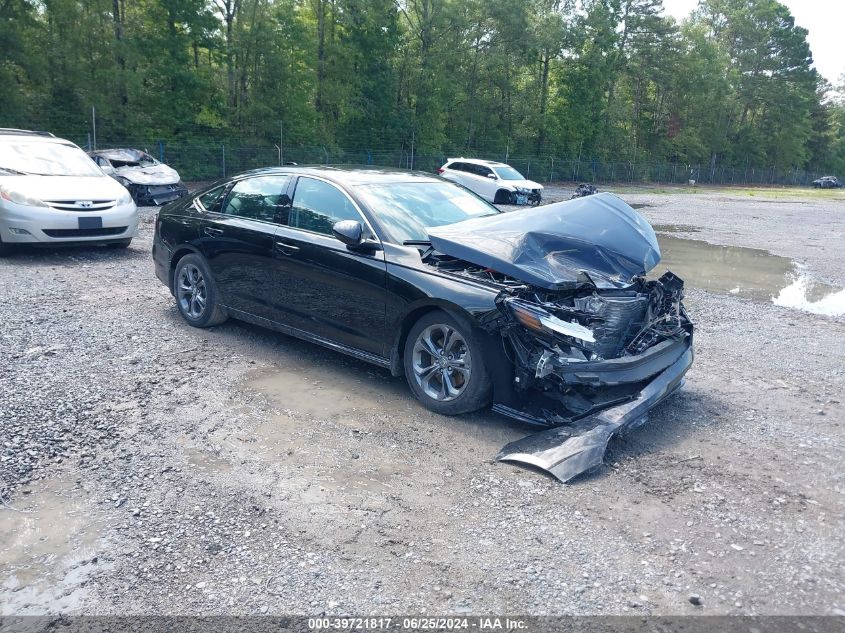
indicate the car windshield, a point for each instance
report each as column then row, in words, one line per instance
column 408, row 209
column 508, row 173
column 132, row 160
column 45, row 159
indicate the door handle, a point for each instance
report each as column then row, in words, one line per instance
column 286, row 249
column 213, row 232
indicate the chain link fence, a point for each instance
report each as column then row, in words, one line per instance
column 203, row 161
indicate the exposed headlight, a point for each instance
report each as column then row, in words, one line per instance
column 522, row 190
column 539, row 320
column 20, row 198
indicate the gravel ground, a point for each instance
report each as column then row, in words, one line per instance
column 148, row 467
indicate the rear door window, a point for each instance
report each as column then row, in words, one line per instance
column 256, row 198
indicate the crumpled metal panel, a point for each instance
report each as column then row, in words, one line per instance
column 550, row 246
column 568, row 451
column 126, row 155
column 152, row 175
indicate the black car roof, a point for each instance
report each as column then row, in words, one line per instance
column 349, row 175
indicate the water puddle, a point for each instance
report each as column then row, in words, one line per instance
column 48, row 550
column 337, row 391
column 205, row 461
column 747, row 272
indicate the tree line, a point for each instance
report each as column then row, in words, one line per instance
column 732, row 85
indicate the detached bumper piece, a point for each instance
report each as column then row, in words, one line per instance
column 569, row 451
column 621, row 371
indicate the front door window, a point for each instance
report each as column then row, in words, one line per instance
column 317, row 206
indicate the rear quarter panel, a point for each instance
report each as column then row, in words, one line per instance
column 177, row 228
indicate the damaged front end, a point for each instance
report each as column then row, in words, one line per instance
column 589, row 349
column 594, row 344
column 149, row 182
column 568, row 451
column 598, row 362
column 154, row 195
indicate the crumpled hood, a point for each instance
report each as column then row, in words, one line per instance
column 523, row 184
column 152, row 175
column 551, row 246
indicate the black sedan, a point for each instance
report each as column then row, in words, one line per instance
column 544, row 312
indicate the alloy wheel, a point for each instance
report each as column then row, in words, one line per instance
column 441, row 362
column 191, row 291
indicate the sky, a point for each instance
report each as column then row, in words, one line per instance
column 824, row 19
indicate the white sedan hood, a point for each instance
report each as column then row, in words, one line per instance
column 49, row 188
column 523, row 184
column 152, row 175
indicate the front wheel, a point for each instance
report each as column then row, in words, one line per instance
column 196, row 292
column 444, row 365
column 7, row 249
column 504, row 197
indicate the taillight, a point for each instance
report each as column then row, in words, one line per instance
column 440, row 170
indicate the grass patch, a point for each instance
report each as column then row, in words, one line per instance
column 834, row 195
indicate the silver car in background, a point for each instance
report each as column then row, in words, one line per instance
column 149, row 182
column 51, row 192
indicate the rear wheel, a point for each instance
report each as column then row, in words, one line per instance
column 196, row 292
column 444, row 365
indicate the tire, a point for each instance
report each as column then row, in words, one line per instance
column 196, row 293
column 467, row 385
column 503, row 197
column 121, row 244
column 7, row 249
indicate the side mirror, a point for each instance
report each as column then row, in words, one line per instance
column 107, row 169
column 349, row 232
column 492, row 176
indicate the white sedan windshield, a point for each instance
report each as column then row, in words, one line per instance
column 45, row 159
column 408, row 209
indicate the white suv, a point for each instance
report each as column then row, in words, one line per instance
column 52, row 192
column 496, row 182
